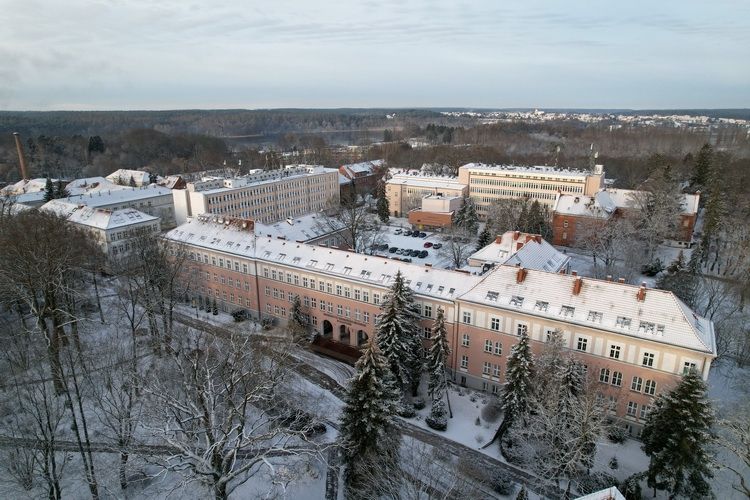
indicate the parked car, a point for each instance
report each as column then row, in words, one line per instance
column 407, row 233
column 415, row 234
column 423, row 235
column 423, row 254
column 398, row 231
column 393, row 250
column 383, row 247
column 415, row 253
column 437, row 246
column 427, row 244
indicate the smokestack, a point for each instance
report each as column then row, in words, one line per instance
column 21, row 157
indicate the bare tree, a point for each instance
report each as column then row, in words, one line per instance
column 459, row 245
column 734, row 437
column 353, row 223
column 215, row 402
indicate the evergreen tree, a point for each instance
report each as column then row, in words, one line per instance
column 523, row 218
column 397, row 329
column 523, row 494
column 215, row 308
column 60, row 191
column 438, row 353
column 96, row 144
column 153, row 178
column 682, row 278
column 297, row 322
column 676, row 437
column 131, row 183
column 537, row 221
column 485, row 237
column 702, row 167
column 518, row 385
column 367, row 420
column 49, row 191
column 470, row 217
column 383, row 208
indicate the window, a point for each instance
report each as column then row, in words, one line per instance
column 347, row 292
column 617, row 378
column 427, row 332
column 494, row 389
column 338, row 289
column 632, row 409
column 595, row 316
column 516, row 301
column 614, row 351
column 305, row 282
column 467, row 318
column 465, row 340
column 313, row 302
column 357, row 294
column 644, row 411
column 567, row 311
column 366, row 317
column 522, row 329
column 604, row 375
column 365, row 296
column 339, row 310
column 495, row 324
column 622, row 322
column 687, row 367
column 646, row 327
column 322, row 286
column 541, row 306
column 376, row 298
column 650, row 387
column 268, row 291
column 496, row 371
column 636, row 384
column 486, row 367
column 427, row 311
column 498, row 349
column 487, row 346
column 329, row 288
column 306, row 301
column 492, row 296
column 648, row 359
column 464, row 362
column 582, row 344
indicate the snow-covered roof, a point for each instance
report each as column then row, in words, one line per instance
column 262, row 177
column 534, row 252
column 365, row 167
column 605, row 202
column 90, row 185
column 373, row 270
column 530, row 170
column 125, row 194
column 660, row 316
column 344, row 180
column 416, row 178
column 140, row 177
column 303, row 228
column 27, row 186
column 100, row 218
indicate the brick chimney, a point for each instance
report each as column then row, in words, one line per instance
column 498, row 239
column 621, row 281
column 538, row 238
column 609, row 277
column 574, row 273
column 641, row 295
column 521, row 274
column 516, row 235
column 577, row 284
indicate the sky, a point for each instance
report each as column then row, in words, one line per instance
column 175, row 54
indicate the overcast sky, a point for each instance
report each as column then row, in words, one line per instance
column 128, row 54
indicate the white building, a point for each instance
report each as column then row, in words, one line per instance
column 123, row 176
column 153, row 200
column 529, row 251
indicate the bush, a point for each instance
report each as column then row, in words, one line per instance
column 631, row 487
column 437, row 419
column 492, row 410
column 419, row 404
column 614, row 464
column 617, row 434
column 653, row 268
column 241, row 315
column 478, row 421
column 595, row 482
column 406, row 411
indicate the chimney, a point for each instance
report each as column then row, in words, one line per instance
column 498, row 239
column 21, row 157
column 574, row 273
column 521, row 274
column 538, row 238
column 577, row 284
column 621, row 281
column 641, row 295
column 519, row 246
column 609, row 277
column 516, row 235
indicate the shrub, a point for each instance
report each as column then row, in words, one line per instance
column 631, row 487
column 406, row 411
column 419, row 404
column 477, row 421
column 437, row 419
column 653, row 268
column 614, row 464
column 492, row 410
column 241, row 315
column 617, row 434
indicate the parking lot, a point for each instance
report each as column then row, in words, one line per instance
column 401, row 243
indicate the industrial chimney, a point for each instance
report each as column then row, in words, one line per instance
column 21, row 158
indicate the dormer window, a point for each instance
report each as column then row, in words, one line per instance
column 622, row 322
column 567, row 311
column 516, row 301
column 595, row 316
column 541, row 306
column 492, row 296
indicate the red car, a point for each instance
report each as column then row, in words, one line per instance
column 427, row 244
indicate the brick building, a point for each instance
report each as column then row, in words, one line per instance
column 636, row 341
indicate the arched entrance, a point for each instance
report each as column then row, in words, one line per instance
column 361, row 337
column 327, row 329
column 344, row 334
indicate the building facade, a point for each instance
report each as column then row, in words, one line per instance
column 405, row 190
column 152, row 199
column 636, row 341
column 263, row 195
column 488, row 183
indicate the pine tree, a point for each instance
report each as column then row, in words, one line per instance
column 215, row 308
column 438, row 353
column 518, row 386
column 367, row 420
column 702, row 168
column 397, row 331
column 132, row 181
column 60, row 191
column 49, row 191
column 676, row 437
column 382, row 206
column 470, row 218
column 523, row 494
column 297, row 322
column 153, row 178
column 485, row 237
